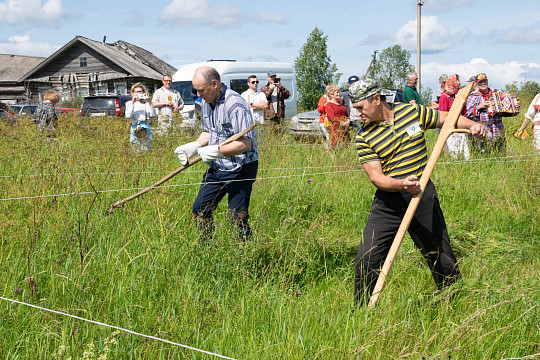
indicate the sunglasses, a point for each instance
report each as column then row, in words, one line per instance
column 255, row 82
column 167, row 81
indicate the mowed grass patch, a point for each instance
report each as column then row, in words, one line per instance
column 285, row 295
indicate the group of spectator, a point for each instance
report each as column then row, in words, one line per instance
column 269, row 103
column 477, row 108
column 165, row 103
column 336, row 115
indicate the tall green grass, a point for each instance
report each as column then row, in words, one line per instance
column 287, row 294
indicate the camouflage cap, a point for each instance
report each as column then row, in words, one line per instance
column 363, row 89
column 443, row 78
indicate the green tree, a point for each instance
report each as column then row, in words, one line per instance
column 392, row 67
column 525, row 91
column 314, row 70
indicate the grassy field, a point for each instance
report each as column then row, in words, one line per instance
column 285, row 295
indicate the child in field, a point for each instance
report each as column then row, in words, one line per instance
column 44, row 115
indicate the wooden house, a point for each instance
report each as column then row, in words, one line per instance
column 12, row 67
column 85, row 67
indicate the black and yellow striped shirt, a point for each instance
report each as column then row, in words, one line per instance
column 401, row 152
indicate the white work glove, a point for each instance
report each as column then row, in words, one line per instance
column 209, row 153
column 187, row 151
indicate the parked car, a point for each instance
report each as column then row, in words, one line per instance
column 307, row 124
column 104, row 105
column 21, row 110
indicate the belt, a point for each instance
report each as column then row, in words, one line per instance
column 537, row 122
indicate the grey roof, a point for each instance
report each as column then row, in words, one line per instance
column 146, row 57
column 136, row 61
column 13, row 66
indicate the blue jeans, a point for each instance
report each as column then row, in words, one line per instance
column 215, row 184
column 140, row 143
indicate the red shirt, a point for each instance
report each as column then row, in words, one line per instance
column 337, row 134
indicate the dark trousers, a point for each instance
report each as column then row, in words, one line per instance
column 215, row 184
column 427, row 229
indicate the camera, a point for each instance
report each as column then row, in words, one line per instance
column 142, row 96
column 277, row 80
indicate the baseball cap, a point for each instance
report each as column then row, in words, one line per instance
column 271, row 73
column 363, row 89
column 480, row 77
column 443, row 78
column 352, row 79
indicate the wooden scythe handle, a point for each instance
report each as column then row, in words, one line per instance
column 119, row 203
column 448, row 128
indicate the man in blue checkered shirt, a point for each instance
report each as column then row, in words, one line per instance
column 232, row 167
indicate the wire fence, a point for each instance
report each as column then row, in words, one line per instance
column 457, row 162
column 115, row 327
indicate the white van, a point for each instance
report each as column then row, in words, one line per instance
column 234, row 74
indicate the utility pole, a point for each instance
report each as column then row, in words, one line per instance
column 418, row 39
column 374, row 56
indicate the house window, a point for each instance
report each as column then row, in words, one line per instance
column 84, row 91
column 65, row 93
column 120, row 88
column 82, row 61
column 102, row 90
column 42, row 90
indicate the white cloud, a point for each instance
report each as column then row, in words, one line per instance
column 498, row 74
column 283, row 43
column 377, row 38
column 272, row 17
column 187, row 12
column 517, row 35
column 32, row 12
column 443, row 5
column 21, row 45
column 435, row 38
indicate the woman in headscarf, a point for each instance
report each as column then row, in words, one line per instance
column 457, row 142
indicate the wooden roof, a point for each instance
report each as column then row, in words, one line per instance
column 136, row 61
column 12, row 67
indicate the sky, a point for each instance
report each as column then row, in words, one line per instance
column 499, row 38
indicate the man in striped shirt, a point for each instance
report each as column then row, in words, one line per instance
column 392, row 150
column 232, row 167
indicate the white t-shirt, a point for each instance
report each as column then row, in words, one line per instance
column 274, row 99
column 139, row 112
column 164, row 95
column 255, row 99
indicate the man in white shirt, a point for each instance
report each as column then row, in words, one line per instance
column 168, row 101
column 256, row 100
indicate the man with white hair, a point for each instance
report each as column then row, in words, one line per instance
column 410, row 93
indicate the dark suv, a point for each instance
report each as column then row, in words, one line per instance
column 104, row 105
